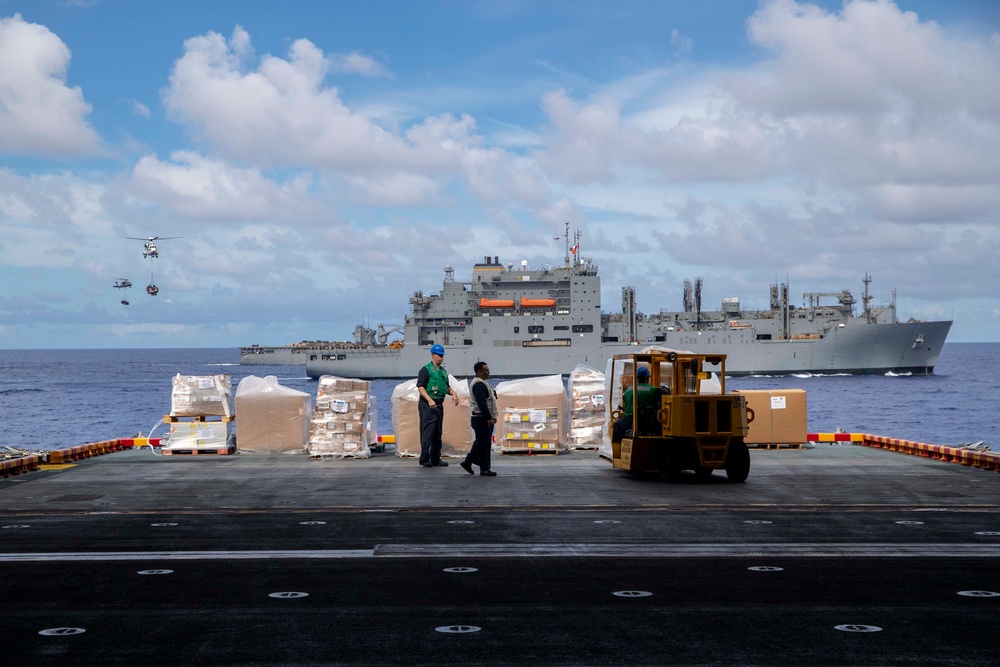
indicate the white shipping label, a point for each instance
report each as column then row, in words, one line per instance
column 537, row 415
column 338, row 405
column 597, row 400
column 539, row 427
column 206, row 382
column 777, row 402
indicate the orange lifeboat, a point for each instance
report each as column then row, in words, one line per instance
column 538, row 303
column 496, row 303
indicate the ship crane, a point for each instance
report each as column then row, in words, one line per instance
column 383, row 333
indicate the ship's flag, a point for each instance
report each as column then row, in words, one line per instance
column 574, row 249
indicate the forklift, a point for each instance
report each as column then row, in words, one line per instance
column 681, row 416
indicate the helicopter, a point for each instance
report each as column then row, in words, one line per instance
column 150, row 249
column 122, row 283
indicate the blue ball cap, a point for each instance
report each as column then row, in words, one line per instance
column 437, row 349
column 642, row 372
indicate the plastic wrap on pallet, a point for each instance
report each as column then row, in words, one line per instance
column 588, row 411
column 339, row 424
column 201, row 396
column 532, row 415
column 199, row 435
column 270, row 418
column 456, row 432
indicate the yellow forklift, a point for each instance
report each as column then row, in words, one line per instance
column 675, row 415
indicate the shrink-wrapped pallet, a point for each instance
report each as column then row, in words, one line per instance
column 456, row 431
column 532, row 415
column 201, row 396
column 270, row 418
column 587, row 408
column 190, row 435
column 340, row 420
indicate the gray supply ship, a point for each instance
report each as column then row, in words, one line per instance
column 545, row 321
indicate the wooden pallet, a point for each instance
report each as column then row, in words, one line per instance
column 195, row 451
column 172, row 419
column 772, row 445
column 529, row 451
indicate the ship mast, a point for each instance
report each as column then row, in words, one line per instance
column 867, row 299
column 566, row 240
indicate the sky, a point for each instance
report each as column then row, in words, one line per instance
column 320, row 161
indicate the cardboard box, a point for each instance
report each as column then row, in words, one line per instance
column 201, row 396
column 271, row 419
column 531, row 405
column 456, row 432
column 195, row 435
column 779, row 416
column 340, row 421
column 588, row 409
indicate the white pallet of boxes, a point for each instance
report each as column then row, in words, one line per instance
column 588, row 411
column 341, row 421
column 200, row 416
column 532, row 415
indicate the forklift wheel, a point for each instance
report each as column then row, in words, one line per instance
column 668, row 469
column 738, row 461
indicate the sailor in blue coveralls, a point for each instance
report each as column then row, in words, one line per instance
column 433, row 385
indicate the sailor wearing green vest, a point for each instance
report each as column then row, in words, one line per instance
column 432, row 383
column 641, row 399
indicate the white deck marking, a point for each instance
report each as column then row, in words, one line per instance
column 530, row 550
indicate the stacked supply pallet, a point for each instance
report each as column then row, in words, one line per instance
column 200, row 416
column 341, row 422
column 456, row 430
column 588, row 414
column 532, row 415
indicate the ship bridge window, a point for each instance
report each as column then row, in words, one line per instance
column 517, row 329
column 583, row 328
column 561, row 327
column 536, row 329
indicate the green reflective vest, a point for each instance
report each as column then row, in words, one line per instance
column 437, row 382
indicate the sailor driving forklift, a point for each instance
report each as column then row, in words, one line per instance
column 642, row 398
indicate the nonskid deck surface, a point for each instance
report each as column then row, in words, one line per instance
column 557, row 560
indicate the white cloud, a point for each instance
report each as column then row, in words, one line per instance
column 200, row 187
column 40, row 114
column 358, row 63
column 682, row 45
column 279, row 111
column 139, row 108
column 869, row 105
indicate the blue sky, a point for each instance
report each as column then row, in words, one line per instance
column 321, row 161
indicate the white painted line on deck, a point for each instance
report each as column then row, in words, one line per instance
column 531, row 550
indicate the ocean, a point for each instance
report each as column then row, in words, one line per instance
column 60, row 398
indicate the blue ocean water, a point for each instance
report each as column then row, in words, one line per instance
column 60, row 398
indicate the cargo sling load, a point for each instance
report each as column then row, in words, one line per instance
column 530, row 321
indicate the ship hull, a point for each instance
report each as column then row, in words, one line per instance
column 855, row 349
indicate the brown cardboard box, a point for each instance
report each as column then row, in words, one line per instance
column 340, row 421
column 779, row 416
column 456, row 432
column 201, row 396
column 271, row 419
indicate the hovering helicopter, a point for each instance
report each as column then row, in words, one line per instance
column 150, row 249
column 122, row 283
